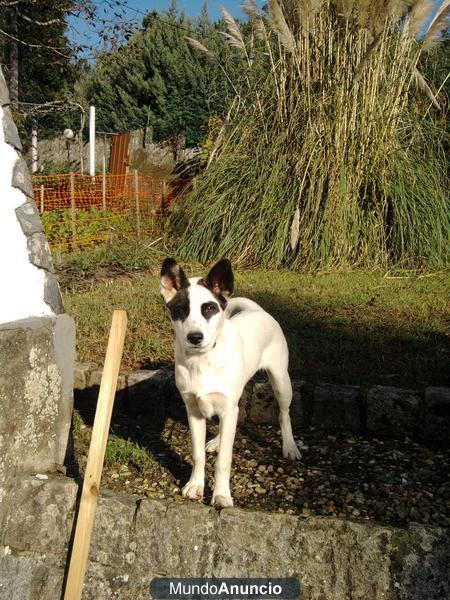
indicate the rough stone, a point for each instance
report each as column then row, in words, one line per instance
column 437, row 414
column 4, row 92
column 36, row 393
column 190, row 554
column 148, row 390
column 253, row 543
column 29, row 578
column 137, row 539
column 336, row 407
column 41, row 517
column 10, row 129
column 52, row 294
column 393, row 411
column 81, row 374
column 21, row 178
column 245, row 402
column 420, row 563
column 28, row 217
column 94, row 380
column 39, row 251
column 263, row 408
column 114, row 529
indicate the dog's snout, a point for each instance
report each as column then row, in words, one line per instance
column 195, row 337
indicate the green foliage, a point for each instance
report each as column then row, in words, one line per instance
column 158, row 79
column 46, row 69
column 91, row 225
column 333, row 158
column 51, row 168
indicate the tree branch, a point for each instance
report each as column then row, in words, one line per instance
column 52, row 48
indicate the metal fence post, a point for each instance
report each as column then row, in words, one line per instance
column 136, row 194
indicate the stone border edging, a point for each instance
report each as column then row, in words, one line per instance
column 379, row 410
column 136, row 539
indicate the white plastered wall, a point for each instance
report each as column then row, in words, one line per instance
column 22, row 284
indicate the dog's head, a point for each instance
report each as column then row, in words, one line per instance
column 196, row 305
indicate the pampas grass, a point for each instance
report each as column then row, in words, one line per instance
column 331, row 158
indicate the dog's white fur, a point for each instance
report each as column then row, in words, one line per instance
column 210, row 376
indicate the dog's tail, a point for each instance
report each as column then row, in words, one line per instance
column 238, row 305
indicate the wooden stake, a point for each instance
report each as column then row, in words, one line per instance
column 72, row 206
column 42, row 198
column 92, row 477
column 136, row 197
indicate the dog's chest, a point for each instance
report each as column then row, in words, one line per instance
column 202, row 385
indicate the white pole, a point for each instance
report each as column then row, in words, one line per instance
column 92, row 141
column 34, row 150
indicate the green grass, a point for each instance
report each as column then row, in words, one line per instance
column 356, row 327
column 118, row 449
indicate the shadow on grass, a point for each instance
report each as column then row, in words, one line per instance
column 338, row 346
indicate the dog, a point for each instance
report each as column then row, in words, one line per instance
column 220, row 343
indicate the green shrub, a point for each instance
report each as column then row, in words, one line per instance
column 91, row 225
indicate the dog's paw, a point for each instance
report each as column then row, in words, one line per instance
column 222, row 501
column 213, row 445
column 291, row 452
column 193, row 490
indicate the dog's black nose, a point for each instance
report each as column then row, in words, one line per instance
column 195, row 337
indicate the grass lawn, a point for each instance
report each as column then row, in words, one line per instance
column 360, row 328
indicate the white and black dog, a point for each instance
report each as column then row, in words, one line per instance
column 220, row 343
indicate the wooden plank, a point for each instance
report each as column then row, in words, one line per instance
column 92, row 477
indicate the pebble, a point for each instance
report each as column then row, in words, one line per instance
column 405, row 481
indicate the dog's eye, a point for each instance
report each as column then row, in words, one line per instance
column 178, row 313
column 209, row 309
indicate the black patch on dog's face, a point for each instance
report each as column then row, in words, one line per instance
column 219, row 297
column 209, row 309
column 179, row 306
column 220, row 281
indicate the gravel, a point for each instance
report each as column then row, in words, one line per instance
column 339, row 476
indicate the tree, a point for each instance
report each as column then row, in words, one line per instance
column 39, row 62
column 158, row 78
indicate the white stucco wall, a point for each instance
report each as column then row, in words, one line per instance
column 22, row 284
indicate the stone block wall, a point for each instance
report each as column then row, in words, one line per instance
column 136, row 539
column 378, row 410
column 36, row 395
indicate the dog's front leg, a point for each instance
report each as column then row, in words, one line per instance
column 222, row 495
column 197, row 424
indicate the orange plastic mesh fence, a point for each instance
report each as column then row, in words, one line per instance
column 79, row 209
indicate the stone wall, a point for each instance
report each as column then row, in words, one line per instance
column 26, row 268
column 146, row 156
column 379, row 410
column 36, row 395
column 136, row 539
column 37, row 341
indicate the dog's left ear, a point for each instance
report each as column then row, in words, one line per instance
column 220, row 279
column 172, row 279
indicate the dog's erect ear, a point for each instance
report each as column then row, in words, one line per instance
column 172, row 279
column 220, row 279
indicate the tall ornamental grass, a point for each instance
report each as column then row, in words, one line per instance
column 331, row 155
